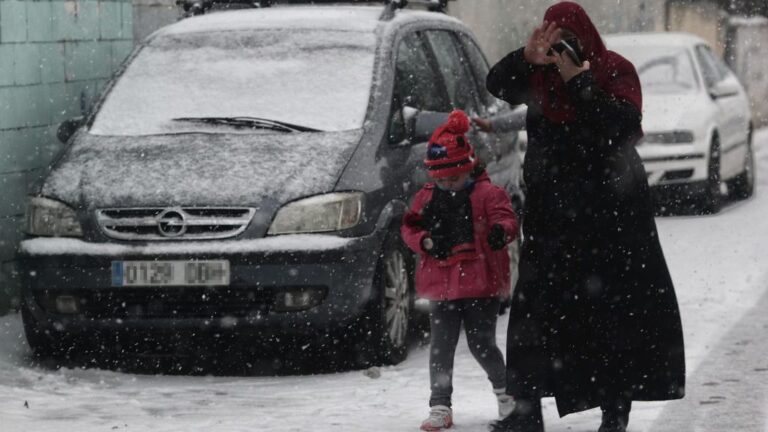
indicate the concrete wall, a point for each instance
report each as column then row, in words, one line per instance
column 748, row 57
column 150, row 15
column 704, row 19
column 54, row 57
column 504, row 25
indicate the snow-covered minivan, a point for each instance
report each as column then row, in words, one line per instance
column 242, row 179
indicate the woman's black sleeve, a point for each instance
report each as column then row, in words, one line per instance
column 508, row 79
column 616, row 120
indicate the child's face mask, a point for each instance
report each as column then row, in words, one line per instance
column 455, row 184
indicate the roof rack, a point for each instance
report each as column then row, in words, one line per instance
column 199, row 7
column 394, row 5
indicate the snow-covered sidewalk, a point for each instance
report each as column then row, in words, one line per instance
column 719, row 267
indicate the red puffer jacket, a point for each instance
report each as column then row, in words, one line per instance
column 487, row 274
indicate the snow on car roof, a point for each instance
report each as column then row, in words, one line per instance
column 340, row 18
column 680, row 39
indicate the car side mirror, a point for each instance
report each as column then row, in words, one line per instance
column 723, row 89
column 420, row 125
column 68, row 127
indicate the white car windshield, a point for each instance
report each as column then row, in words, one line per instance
column 662, row 70
column 315, row 79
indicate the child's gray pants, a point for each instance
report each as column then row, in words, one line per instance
column 479, row 319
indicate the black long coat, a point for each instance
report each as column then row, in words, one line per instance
column 594, row 313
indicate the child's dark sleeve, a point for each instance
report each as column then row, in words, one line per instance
column 411, row 229
column 500, row 212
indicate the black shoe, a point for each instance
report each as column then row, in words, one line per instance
column 526, row 417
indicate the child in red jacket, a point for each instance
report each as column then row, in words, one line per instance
column 460, row 226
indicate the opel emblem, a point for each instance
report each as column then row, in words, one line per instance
column 172, row 223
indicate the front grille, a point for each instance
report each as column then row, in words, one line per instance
column 175, row 223
column 181, row 302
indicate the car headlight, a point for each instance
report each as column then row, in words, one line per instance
column 47, row 217
column 673, row 137
column 322, row 213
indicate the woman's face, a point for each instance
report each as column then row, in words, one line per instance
column 453, row 183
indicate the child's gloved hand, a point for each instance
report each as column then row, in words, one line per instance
column 497, row 238
column 437, row 246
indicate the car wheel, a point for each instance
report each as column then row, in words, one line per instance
column 743, row 185
column 389, row 320
column 40, row 342
column 712, row 200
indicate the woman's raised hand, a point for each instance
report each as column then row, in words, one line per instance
column 541, row 40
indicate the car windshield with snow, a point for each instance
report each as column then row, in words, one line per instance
column 242, row 180
column 313, row 78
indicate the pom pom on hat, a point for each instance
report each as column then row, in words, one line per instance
column 458, row 123
column 449, row 152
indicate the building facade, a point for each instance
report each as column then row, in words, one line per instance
column 55, row 56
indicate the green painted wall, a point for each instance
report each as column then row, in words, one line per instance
column 55, row 56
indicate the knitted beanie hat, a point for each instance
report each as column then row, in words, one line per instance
column 449, row 152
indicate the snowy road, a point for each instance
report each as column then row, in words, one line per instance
column 720, row 269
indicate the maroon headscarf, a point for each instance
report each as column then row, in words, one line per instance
column 613, row 73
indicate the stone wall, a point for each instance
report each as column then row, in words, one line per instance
column 748, row 57
column 504, row 25
column 55, row 55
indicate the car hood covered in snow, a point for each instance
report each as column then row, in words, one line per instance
column 665, row 113
column 198, row 169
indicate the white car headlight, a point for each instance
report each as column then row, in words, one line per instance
column 322, row 213
column 47, row 217
column 673, row 137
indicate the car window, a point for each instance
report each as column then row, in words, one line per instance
column 454, row 69
column 708, row 66
column 417, row 85
column 416, row 82
column 319, row 79
column 479, row 65
column 661, row 69
column 722, row 68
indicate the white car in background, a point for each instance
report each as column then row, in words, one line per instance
column 696, row 118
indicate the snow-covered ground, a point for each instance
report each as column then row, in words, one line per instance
column 720, row 270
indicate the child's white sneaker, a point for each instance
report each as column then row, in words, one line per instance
column 440, row 417
column 506, row 402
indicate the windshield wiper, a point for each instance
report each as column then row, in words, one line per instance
column 249, row 122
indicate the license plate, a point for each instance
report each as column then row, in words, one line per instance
column 170, row 273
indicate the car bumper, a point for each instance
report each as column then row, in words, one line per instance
column 342, row 270
column 679, row 193
column 674, row 164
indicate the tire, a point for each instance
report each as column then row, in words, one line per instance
column 712, row 200
column 743, row 186
column 389, row 317
column 40, row 342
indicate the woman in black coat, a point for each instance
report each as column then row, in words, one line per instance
column 594, row 320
